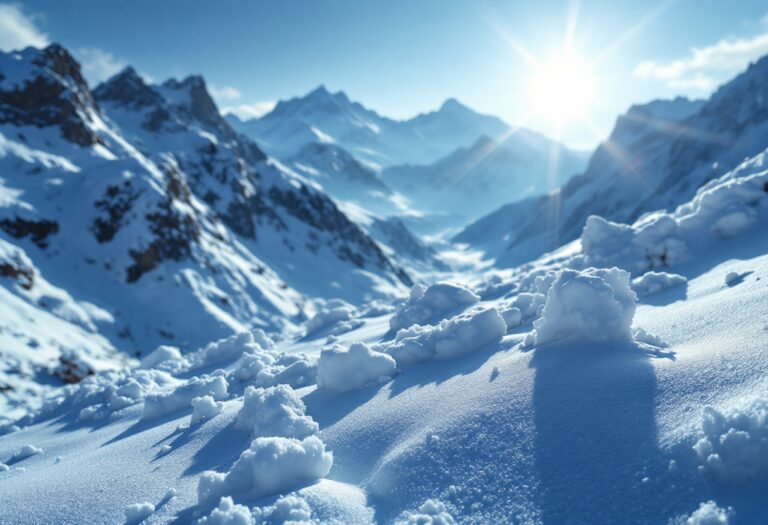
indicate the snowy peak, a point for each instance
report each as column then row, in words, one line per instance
column 192, row 95
column 128, row 89
column 45, row 88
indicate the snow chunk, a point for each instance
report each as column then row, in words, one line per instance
column 735, row 442
column 26, row 452
column 274, row 411
column 138, row 512
column 268, row 369
column 180, row 397
column 590, row 305
column 334, row 312
column 431, row 512
column 341, row 370
column 228, row 513
column 653, row 282
column 205, row 408
column 709, row 513
column 226, row 350
column 512, row 316
column 643, row 336
column 288, row 509
column 269, row 466
column 427, row 304
column 451, row 338
column 169, row 356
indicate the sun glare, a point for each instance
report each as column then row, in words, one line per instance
column 562, row 88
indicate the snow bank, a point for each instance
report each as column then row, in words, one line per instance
column 341, row 370
column 427, row 304
column 722, row 208
column 205, row 408
column 274, row 411
column 734, row 446
column 589, row 305
column 228, row 513
column 451, row 338
column 270, row 465
column 708, row 513
column 431, row 512
column 138, row 512
column 181, row 397
column 653, row 282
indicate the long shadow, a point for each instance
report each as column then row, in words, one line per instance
column 596, row 450
column 219, row 452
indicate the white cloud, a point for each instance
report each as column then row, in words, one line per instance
column 98, row 65
column 222, row 94
column 18, row 30
column 700, row 68
column 249, row 111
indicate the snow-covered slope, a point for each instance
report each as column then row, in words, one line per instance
column 656, row 157
column 110, row 222
column 478, row 179
column 547, row 393
column 321, row 116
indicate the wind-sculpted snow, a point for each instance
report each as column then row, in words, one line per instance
column 341, row 369
column 274, row 411
column 591, row 305
column 431, row 304
column 734, row 446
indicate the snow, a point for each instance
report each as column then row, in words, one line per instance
column 228, row 513
column 205, row 408
column 162, row 355
column 180, row 397
column 734, row 446
column 431, row 304
column 592, row 305
column 274, row 411
column 653, row 282
column 452, row 338
column 138, row 512
column 342, row 369
column 268, row 466
column 25, row 452
column 431, row 512
column 709, row 513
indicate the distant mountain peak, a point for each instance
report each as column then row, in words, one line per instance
column 452, row 104
column 127, row 88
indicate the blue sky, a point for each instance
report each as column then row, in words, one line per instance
column 405, row 57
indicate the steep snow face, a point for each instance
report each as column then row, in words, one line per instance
column 657, row 156
column 493, row 171
column 277, row 215
column 332, row 118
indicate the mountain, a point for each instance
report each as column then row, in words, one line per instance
column 322, row 116
column 656, row 157
column 131, row 202
column 476, row 180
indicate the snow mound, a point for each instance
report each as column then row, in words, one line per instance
column 138, row 512
column 270, row 465
column 228, row 513
column 735, row 442
column 641, row 335
column 268, row 369
column 431, row 512
column 341, row 369
column 205, row 408
column 708, row 513
column 274, row 411
column 426, row 304
column 590, row 305
column 181, row 397
column 653, row 282
column 226, row 350
column 454, row 337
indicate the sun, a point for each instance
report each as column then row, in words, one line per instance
column 562, row 88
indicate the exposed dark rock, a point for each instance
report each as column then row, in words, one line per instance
column 24, row 275
column 115, row 204
column 37, row 230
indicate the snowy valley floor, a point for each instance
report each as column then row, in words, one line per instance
column 570, row 433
